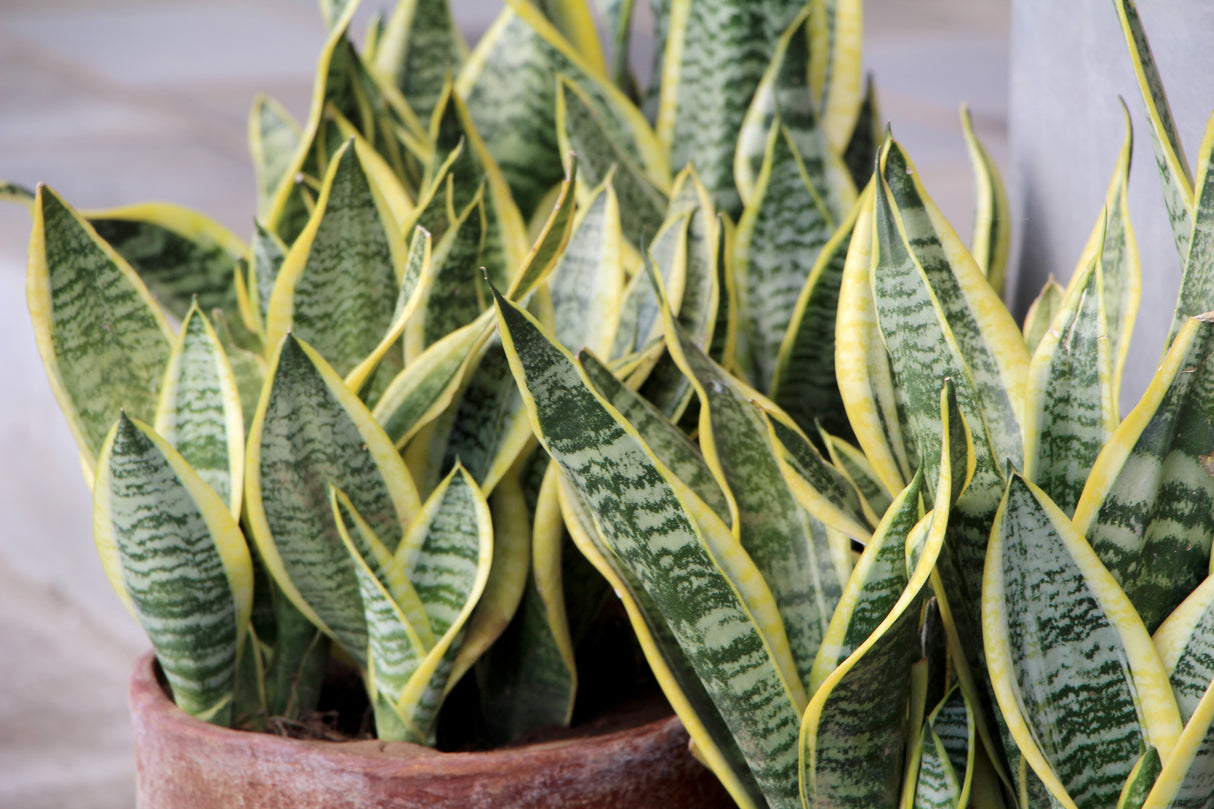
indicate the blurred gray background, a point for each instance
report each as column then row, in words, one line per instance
column 126, row 101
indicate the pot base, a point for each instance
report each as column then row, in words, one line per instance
column 185, row 763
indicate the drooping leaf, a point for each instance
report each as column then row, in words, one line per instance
column 730, row 638
column 311, row 432
column 200, row 413
column 1149, row 504
column 179, row 254
column 104, row 342
column 1076, row 677
column 178, row 560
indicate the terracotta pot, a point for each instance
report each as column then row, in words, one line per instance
column 184, row 763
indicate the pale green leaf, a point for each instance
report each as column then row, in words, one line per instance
column 420, row 47
column 992, row 239
column 274, row 137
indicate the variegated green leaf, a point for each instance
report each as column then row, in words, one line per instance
column 200, row 412
column 429, row 383
column 875, row 585
column 1141, row 779
column 413, row 284
column 456, row 294
column 780, row 236
column 940, row 319
column 1148, row 508
column 15, row 192
column 420, row 47
column 803, row 380
column 836, row 75
column 665, row 440
column 509, row 87
column 617, row 14
column 274, row 137
column 178, row 253
column 713, row 738
column 947, row 760
column 1196, row 295
column 853, row 731
column 248, row 368
column 1186, row 779
column 178, row 560
column 104, row 343
column 311, row 432
column 991, row 243
column 646, row 519
column 337, row 285
column 447, row 556
column 640, row 317
column 823, row 490
column 587, row 284
column 1119, row 266
column 715, row 54
column 772, row 527
column 575, row 22
column 581, row 130
column 784, row 95
column 552, row 239
column 700, row 306
column 268, row 253
column 865, row 140
column 1041, row 313
column 851, row 463
column 1186, row 643
column 1170, row 161
column 505, row 234
column 1076, row 677
column 508, row 576
column 862, row 366
column 1071, row 408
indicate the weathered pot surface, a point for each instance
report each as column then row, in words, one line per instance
column 184, row 763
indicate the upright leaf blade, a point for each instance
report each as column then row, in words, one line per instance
column 178, row 560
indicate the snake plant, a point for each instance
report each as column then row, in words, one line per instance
column 973, row 583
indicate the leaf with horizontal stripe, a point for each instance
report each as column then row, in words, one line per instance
column 508, row 84
column 200, row 413
column 713, row 59
column 1196, row 296
column 505, row 233
column 784, row 94
column 992, row 239
column 447, row 555
column 420, row 46
column 853, row 731
column 582, row 130
column 1170, row 161
column 732, row 635
column 780, row 235
column 179, row 254
column 178, row 560
column 803, row 379
column 1186, row 643
column 1148, row 506
column 707, row 726
column 336, row 285
column 856, row 469
column 1078, row 681
column 949, row 742
column 274, row 137
column 1186, row 779
column 312, row 432
column 104, row 342
column 1071, row 409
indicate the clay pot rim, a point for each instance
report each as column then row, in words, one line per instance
column 149, row 700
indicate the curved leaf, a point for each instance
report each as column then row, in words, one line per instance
column 103, row 342
column 1081, row 687
column 992, row 239
column 178, row 560
column 420, row 47
column 274, row 137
